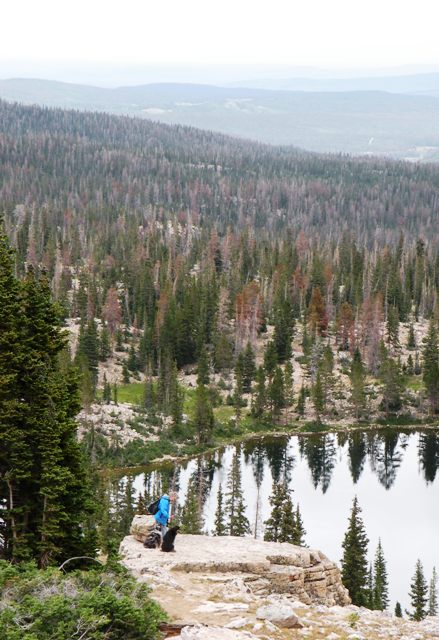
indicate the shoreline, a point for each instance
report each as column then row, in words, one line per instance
column 256, row 435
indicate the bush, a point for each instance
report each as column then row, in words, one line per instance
column 52, row 605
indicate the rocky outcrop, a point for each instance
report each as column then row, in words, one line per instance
column 264, row 567
column 240, row 588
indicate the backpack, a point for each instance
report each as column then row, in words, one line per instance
column 153, row 507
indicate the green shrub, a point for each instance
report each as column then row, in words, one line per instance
column 53, row 605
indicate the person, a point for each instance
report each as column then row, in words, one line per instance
column 163, row 512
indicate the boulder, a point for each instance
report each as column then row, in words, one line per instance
column 281, row 614
column 141, row 526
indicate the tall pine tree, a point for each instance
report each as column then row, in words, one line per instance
column 354, row 562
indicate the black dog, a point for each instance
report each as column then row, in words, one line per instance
column 153, row 539
column 168, row 540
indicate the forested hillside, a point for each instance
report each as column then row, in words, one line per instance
column 287, row 286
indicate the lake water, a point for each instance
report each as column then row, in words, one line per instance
column 393, row 473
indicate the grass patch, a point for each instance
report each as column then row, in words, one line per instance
column 415, row 383
column 131, row 393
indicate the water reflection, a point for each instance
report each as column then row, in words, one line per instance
column 392, row 471
column 429, row 454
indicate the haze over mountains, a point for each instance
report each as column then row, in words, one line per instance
column 391, row 115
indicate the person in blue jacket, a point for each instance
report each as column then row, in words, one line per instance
column 163, row 513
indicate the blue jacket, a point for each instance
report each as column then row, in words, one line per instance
column 162, row 515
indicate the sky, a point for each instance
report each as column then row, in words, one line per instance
column 329, row 34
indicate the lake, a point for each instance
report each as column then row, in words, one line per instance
column 394, row 474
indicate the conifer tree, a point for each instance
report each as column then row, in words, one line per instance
column 106, row 393
column 393, row 327
column 259, row 401
column 357, row 376
column 430, row 372
column 318, row 397
column 237, row 395
column 354, row 561
column 390, row 373
column 283, row 329
column 220, row 528
column 380, row 584
column 125, row 374
column 248, row 369
column 236, row 521
column 276, row 393
column 432, row 595
column 370, row 590
column 44, row 488
column 270, row 360
column 105, row 345
column 288, row 385
column 418, row 594
column 203, row 376
column 273, row 525
column 299, row 529
column 288, row 526
column 191, row 515
column 204, row 420
column 301, row 402
column 411, row 339
column 398, row 610
column 176, row 400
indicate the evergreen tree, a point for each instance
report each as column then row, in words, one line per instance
column 237, row 395
column 432, row 595
column 380, row 585
column 270, row 360
column 354, row 561
column 248, row 368
column 259, row 402
column 44, row 488
column 318, row 397
column 283, row 329
column 411, row 339
column 288, row 526
column 236, row 521
column 276, row 393
column 204, row 420
column 370, row 589
column 105, row 345
column 398, row 610
column 390, row 373
column 299, row 529
column 358, row 376
column 88, row 349
column 176, row 400
column 418, row 594
column 289, row 384
column 220, row 527
column 301, row 402
column 133, row 361
column 191, row 516
column 203, row 368
column 106, row 393
column 125, row 374
column 393, row 327
column 430, row 373
column 273, row 525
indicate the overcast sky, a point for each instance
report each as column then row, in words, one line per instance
column 323, row 33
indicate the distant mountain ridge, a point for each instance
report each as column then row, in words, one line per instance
column 356, row 122
column 426, row 84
